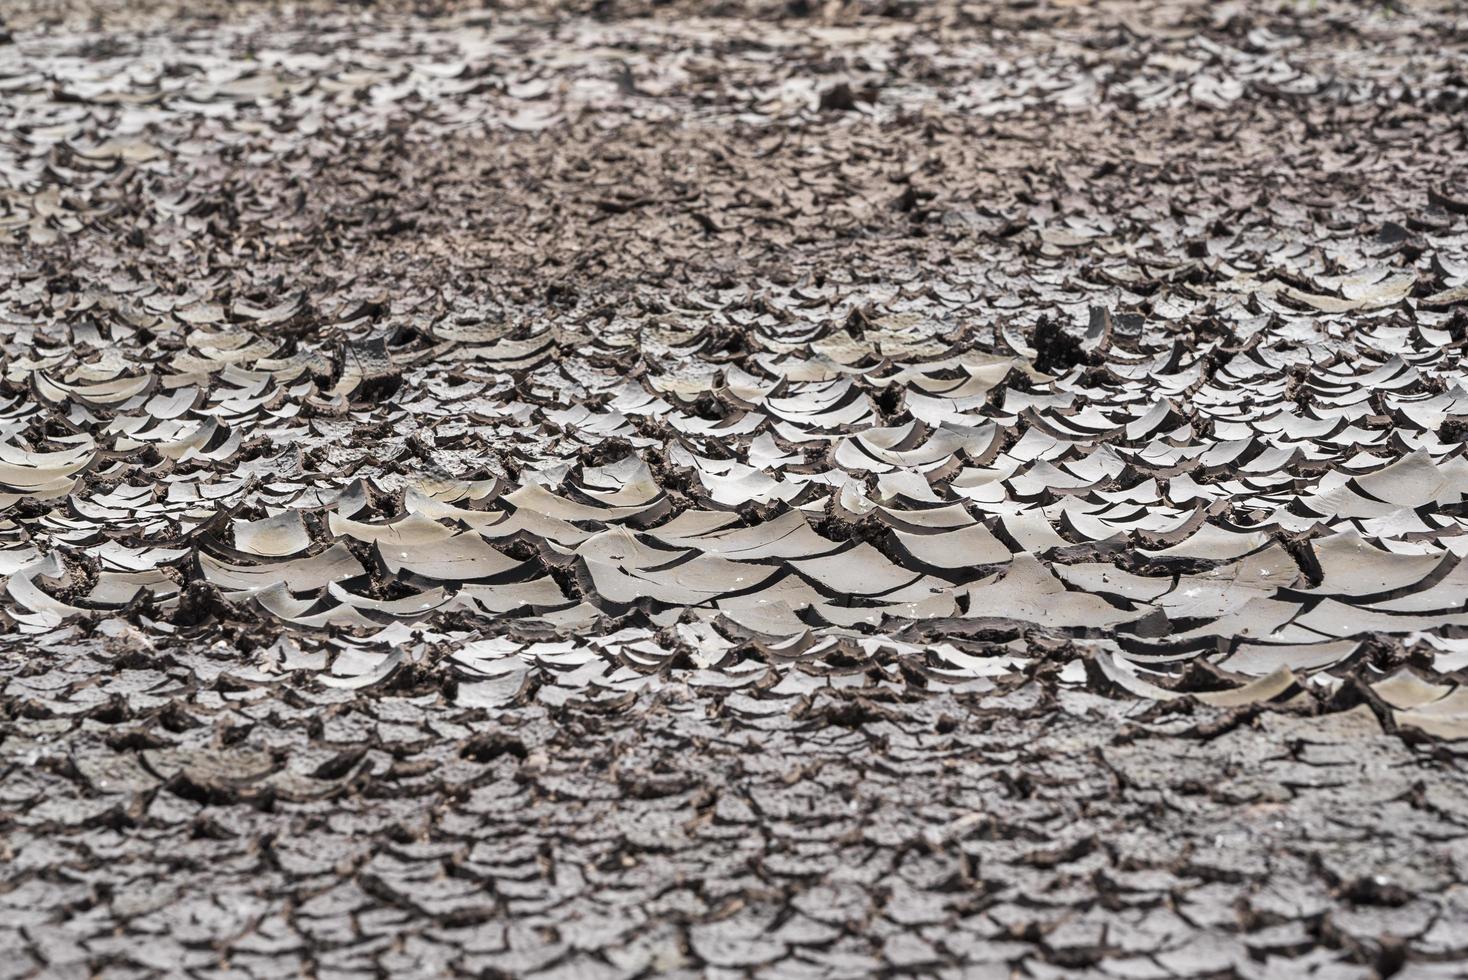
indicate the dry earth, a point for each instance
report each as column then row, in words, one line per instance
column 734, row 489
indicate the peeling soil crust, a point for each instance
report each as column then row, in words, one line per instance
column 733, row 489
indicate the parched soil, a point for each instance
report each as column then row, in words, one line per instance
column 733, row 489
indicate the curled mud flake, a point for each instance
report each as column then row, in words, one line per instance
column 1029, row 592
column 273, row 537
column 1259, row 659
column 960, row 552
column 335, row 564
column 464, row 557
column 358, row 669
column 1276, row 685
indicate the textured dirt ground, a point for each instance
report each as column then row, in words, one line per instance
column 780, row 489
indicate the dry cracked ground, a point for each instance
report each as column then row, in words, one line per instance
column 803, row 489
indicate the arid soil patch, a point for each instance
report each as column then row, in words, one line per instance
column 782, row 490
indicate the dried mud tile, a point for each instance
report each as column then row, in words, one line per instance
column 1405, row 690
column 353, row 670
column 858, row 570
column 1228, row 586
column 1258, row 618
column 1442, row 595
column 541, row 501
column 689, row 581
column 464, row 557
column 1105, row 579
column 1276, row 685
column 945, row 553
column 1258, row 659
column 114, row 590
column 1212, row 543
column 1029, row 532
column 1414, row 480
column 766, row 615
column 1445, row 718
column 1351, row 567
column 41, row 610
column 926, row 520
column 1332, row 618
column 1029, row 592
column 1121, row 674
column 539, row 594
column 281, row 536
column 335, row 564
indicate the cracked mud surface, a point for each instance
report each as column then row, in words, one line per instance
column 733, row 489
